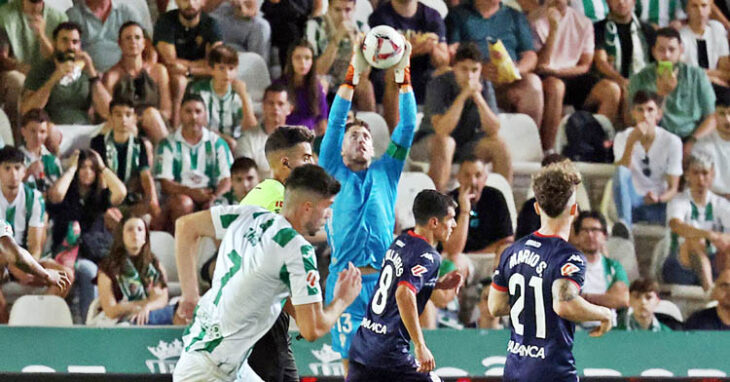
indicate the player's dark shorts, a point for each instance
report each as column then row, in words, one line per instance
column 359, row 373
column 272, row 358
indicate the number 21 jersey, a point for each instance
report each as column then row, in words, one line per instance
column 541, row 343
column 382, row 340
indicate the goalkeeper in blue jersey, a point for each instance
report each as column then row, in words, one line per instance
column 363, row 214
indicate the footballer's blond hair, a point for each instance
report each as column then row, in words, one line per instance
column 555, row 186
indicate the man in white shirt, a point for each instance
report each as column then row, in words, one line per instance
column 700, row 221
column 276, row 107
column 705, row 41
column 649, row 164
column 717, row 143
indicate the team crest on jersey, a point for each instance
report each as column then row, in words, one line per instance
column 418, row 270
column 8, row 230
column 312, row 278
column 568, row 269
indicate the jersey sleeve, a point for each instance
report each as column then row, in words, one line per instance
column 224, row 159
column 499, row 278
column 402, row 137
column 618, row 272
column 300, row 268
column 223, row 216
column 419, row 271
column 572, row 266
column 266, row 195
column 678, row 208
column 6, row 229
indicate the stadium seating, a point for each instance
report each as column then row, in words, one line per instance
column 76, row 137
column 669, row 308
column 410, row 184
column 500, row 183
column 162, row 245
column 561, row 140
column 6, row 131
column 61, row 5
column 623, row 251
column 35, row 310
column 253, row 71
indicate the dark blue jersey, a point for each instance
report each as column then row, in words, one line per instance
column 540, row 347
column 382, row 340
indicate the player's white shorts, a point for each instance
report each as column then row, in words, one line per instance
column 199, row 367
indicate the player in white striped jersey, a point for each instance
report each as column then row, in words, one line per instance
column 262, row 261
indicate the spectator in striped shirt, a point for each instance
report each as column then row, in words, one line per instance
column 193, row 165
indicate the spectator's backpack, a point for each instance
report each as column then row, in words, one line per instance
column 587, row 141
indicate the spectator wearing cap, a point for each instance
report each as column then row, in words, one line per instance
column 700, row 224
column 717, row 143
column 649, row 164
column 644, row 299
column 718, row 317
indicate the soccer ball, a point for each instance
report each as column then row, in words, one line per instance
column 383, row 47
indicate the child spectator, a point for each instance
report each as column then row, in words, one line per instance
column 132, row 284
column 718, row 317
column 244, row 177
column 142, row 80
column 699, row 220
column 643, row 299
column 649, row 164
column 310, row 101
column 42, row 167
column 230, row 109
column 126, row 156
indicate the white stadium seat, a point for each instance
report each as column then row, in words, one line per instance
column 162, row 245
column 76, row 137
column 522, row 137
column 252, row 70
column 6, row 131
column 410, row 184
column 35, row 310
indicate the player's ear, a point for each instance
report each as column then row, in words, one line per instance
column 537, row 208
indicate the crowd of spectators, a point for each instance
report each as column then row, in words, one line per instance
column 181, row 131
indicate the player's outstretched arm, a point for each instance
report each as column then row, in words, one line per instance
column 569, row 305
column 314, row 321
column 187, row 231
column 406, row 300
column 12, row 253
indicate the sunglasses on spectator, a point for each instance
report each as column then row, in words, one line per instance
column 646, row 170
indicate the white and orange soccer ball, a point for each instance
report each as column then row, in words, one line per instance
column 383, row 47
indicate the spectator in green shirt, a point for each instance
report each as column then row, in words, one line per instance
column 689, row 101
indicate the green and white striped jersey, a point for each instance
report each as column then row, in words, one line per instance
column 224, row 113
column 262, row 260
column 659, row 12
column 196, row 166
column 596, row 10
column 25, row 211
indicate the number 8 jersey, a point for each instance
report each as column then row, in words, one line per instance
column 382, row 340
column 541, row 343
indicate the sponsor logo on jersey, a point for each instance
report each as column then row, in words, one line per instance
column 312, row 278
column 418, row 270
column 569, row 269
column 533, row 243
column 7, row 230
column 428, row 256
column 526, row 350
column 576, row 258
column 375, row 327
